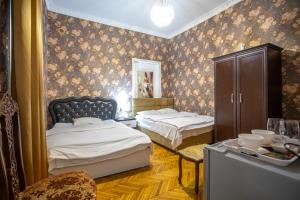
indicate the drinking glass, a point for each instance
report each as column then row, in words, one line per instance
column 273, row 125
column 292, row 129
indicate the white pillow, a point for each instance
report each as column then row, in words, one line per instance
column 58, row 126
column 62, row 125
column 166, row 111
column 86, row 121
column 148, row 112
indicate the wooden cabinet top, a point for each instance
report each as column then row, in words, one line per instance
column 263, row 46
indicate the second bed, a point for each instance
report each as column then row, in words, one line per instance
column 169, row 128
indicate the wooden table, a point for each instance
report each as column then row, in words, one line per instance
column 195, row 155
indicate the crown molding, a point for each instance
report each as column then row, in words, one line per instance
column 65, row 11
column 204, row 17
column 62, row 10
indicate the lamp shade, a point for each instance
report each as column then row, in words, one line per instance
column 123, row 101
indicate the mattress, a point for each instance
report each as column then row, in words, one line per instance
column 70, row 146
column 203, row 138
column 171, row 131
column 135, row 160
column 158, row 127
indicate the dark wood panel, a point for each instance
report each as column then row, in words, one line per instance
column 251, row 92
column 274, row 83
column 225, row 99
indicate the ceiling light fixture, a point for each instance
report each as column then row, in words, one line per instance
column 162, row 13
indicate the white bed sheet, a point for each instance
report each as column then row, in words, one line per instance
column 70, row 145
column 180, row 120
column 172, row 132
column 100, row 169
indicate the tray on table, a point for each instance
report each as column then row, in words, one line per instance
column 265, row 154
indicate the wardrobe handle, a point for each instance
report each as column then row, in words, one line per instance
column 231, row 98
column 241, row 97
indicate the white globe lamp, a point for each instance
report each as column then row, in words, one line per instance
column 162, row 13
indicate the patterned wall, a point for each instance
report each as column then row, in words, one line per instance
column 3, row 43
column 88, row 58
column 251, row 22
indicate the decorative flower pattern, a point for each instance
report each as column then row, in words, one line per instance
column 250, row 22
column 88, row 58
column 67, row 186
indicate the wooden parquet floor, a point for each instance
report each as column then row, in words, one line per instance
column 159, row 181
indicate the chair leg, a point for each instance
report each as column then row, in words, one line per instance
column 196, row 176
column 180, row 169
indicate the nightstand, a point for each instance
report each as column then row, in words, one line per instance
column 130, row 121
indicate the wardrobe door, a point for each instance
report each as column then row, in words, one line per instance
column 251, row 108
column 225, row 126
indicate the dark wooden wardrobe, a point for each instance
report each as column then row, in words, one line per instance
column 247, row 90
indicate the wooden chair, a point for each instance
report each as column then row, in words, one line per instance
column 193, row 154
column 74, row 185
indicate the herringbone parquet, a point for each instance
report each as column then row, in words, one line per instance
column 159, row 181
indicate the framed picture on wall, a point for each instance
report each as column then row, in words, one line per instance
column 146, row 78
column 145, row 84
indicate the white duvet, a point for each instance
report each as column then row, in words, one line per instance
column 180, row 120
column 70, row 145
column 172, row 124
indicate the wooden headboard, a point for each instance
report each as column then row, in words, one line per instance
column 141, row 104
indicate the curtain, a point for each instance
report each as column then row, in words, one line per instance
column 28, row 85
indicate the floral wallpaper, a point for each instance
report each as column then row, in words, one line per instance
column 4, row 43
column 88, row 58
column 251, row 22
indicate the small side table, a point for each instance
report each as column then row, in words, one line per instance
column 194, row 154
column 130, row 121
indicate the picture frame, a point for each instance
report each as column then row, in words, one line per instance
column 146, row 78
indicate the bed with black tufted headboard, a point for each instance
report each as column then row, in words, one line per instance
column 65, row 110
column 104, row 148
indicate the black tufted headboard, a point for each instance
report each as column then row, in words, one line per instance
column 65, row 110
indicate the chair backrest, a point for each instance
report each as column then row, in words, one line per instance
column 11, row 161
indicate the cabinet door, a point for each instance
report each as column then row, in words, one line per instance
column 251, row 109
column 225, row 115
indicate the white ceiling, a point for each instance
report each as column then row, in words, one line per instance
column 135, row 14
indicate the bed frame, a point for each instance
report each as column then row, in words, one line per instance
column 141, row 104
column 65, row 110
